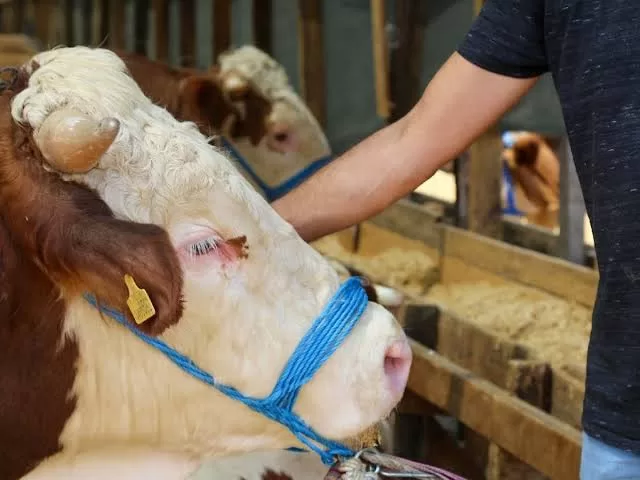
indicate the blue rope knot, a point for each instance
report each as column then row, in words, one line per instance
column 273, row 193
column 326, row 334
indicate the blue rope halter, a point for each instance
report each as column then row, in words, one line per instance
column 508, row 140
column 326, row 334
column 273, row 193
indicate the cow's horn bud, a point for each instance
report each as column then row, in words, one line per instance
column 234, row 84
column 72, row 142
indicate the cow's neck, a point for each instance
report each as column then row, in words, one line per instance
column 128, row 393
column 36, row 365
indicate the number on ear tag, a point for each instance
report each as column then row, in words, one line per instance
column 138, row 302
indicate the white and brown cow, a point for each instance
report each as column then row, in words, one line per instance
column 97, row 182
column 247, row 98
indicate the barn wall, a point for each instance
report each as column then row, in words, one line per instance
column 350, row 95
column 351, row 113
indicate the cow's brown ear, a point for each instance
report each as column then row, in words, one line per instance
column 202, row 101
column 74, row 237
column 256, row 112
column 526, row 152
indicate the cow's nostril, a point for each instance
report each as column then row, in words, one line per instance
column 281, row 137
column 397, row 363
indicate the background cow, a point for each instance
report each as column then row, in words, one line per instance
column 248, row 98
column 534, row 177
column 97, row 182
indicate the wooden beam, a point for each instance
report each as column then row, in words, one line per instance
column 484, row 185
column 549, row 274
column 507, row 364
column 413, row 221
column 262, row 12
column 187, row 33
column 473, row 347
column 572, row 209
column 514, row 231
column 531, row 435
column 380, row 58
column 222, row 20
column 312, row 68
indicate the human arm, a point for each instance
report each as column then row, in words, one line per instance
column 461, row 102
column 498, row 62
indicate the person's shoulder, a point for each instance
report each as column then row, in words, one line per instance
column 507, row 38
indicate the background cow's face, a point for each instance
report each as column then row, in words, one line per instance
column 252, row 287
column 292, row 137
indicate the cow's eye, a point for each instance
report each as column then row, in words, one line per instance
column 203, row 247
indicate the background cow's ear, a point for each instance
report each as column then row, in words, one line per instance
column 526, row 151
column 203, row 102
column 257, row 112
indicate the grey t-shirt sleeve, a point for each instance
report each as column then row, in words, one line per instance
column 507, row 38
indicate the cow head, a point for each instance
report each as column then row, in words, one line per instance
column 272, row 135
column 134, row 191
column 293, row 138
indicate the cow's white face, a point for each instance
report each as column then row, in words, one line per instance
column 294, row 138
column 252, row 288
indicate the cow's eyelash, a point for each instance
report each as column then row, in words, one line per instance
column 203, row 247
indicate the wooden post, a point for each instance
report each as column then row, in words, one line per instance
column 86, row 22
column 262, row 11
column 312, row 57
column 100, row 19
column 187, row 33
column 18, row 15
column 484, row 185
column 572, row 209
column 222, row 27
column 141, row 26
column 67, row 22
column 406, row 58
column 6, row 17
column 484, row 181
column 380, row 58
column 117, row 24
column 161, row 16
column 44, row 15
column 461, row 174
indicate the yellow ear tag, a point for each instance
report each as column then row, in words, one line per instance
column 138, row 302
